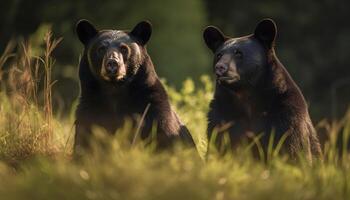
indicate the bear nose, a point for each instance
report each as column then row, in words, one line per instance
column 220, row 69
column 112, row 66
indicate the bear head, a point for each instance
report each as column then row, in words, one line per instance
column 241, row 62
column 114, row 56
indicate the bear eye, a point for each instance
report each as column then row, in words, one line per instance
column 124, row 50
column 102, row 49
column 237, row 53
column 218, row 56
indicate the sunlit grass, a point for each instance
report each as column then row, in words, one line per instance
column 36, row 147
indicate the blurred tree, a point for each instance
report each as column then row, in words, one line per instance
column 313, row 43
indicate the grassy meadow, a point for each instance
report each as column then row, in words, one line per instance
column 36, row 148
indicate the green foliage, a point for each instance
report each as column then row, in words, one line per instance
column 191, row 103
column 136, row 174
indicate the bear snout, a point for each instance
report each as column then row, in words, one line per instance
column 220, row 69
column 226, row 73
column 112, row 66
column 113, row 69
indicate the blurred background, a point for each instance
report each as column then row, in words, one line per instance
column 313, row 39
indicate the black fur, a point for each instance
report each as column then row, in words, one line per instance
column 262, row 98
column 109, row 103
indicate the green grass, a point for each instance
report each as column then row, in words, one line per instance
column 35, row 151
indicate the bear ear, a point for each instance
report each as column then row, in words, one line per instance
column 142, row 32
column 213, row 37
column 266, row 32
column 85, row 30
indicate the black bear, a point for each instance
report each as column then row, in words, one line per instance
column 118, row 82
column 255, row 94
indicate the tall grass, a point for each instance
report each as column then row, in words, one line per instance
column 35, row 150
column 26, row 117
